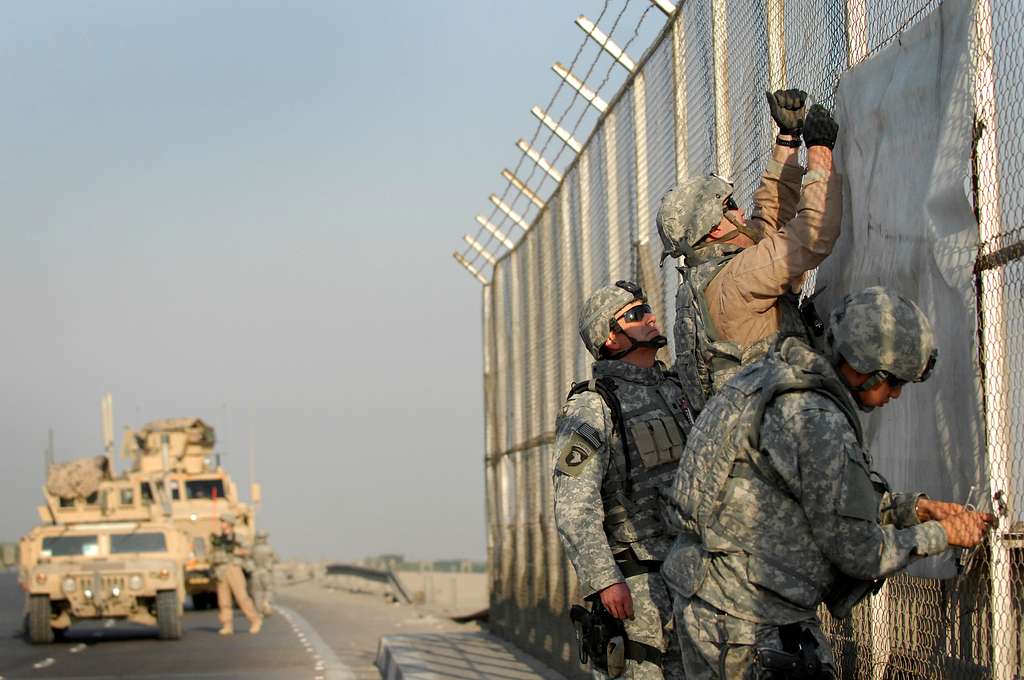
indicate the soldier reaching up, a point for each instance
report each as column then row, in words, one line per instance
column 742, row 277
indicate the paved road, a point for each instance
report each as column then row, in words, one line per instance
column 316, row 634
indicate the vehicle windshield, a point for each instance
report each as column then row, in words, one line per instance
column 70, row 546
column 132, row 543
column 204, row 488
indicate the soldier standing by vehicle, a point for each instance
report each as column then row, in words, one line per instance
column 777, row 505
column 617, row 440
column 742, row 277
column 263, row 560
column 226, row 560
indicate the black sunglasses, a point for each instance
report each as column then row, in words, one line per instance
column 637, row 313
column 729, row 204
column 878, row 377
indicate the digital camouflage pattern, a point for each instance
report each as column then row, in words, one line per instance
column 653, row 625
column 718, row 645
column 777, row 504
column 706, row 358
column 878, row 330
column 606, row 505
column 689, row 211
column 262, row 580
column 598, row 311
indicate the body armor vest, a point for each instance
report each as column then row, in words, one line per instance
column 654, row 420
column 704, row 360
column 262, row 556
column 724, row 452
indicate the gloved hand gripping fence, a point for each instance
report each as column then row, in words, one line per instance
column 788, row 108
column 820, row 129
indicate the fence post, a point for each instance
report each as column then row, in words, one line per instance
column 998, row 428
column 679, row 80
column 775, row 15
column 856, row 31
column 617, row 264
column 720, row 50
column 640, row 131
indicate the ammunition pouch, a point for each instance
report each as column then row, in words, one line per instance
column 601, row 640
column 847, row 592
column 798, row 660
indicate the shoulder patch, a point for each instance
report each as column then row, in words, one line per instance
column 590, row 434
column 579, row 449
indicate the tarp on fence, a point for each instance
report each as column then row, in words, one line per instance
column 906, row 119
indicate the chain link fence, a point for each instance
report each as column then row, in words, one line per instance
column 694, row 104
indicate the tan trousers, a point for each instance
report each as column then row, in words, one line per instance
column 231, row 582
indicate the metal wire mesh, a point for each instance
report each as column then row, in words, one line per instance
column 695, row 105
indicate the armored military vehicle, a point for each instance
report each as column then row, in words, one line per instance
column 176, row 457
column 92, row 570
column 174, row 475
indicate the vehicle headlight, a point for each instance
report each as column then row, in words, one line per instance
column 135, row 582
column 163, row 573
column 193, row 517
column 87, row 593
column 115, row 591
column 69, row 585
column 40, row 578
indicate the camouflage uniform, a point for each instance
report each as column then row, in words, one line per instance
column 732, row 301
column 607, row 500
column 262, row 581
column 778, row 510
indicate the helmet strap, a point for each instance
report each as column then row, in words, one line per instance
column 654, row 343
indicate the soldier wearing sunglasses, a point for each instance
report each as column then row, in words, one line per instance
column 617, row 441
column 740, row 283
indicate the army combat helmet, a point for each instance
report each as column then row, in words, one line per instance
column 689, row 211
column 597, row 319
column 882, row 334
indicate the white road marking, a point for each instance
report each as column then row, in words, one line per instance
column 334, row 668
column 77, row 648
column 48, row 661
column 109, row 623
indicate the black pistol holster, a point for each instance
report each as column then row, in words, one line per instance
column 798, row 660
column 601, row 640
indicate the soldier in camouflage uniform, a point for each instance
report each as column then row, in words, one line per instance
column 226, row 559
column 262, row 582
column 742, row 277
column 778, row 508
column 610, row 462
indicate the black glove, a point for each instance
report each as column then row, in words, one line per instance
column 820, row 129
column 787, row 109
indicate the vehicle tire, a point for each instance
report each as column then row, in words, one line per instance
column 203, row 601
column 38, row 623
column 168, row 614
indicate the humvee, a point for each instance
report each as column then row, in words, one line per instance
column 175, row 475
column 121, row 570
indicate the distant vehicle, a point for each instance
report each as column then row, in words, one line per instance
column 175, row 475
column 120, row 570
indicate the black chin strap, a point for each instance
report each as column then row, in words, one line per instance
column 654, row 343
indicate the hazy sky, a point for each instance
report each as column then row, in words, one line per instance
column 245, row 212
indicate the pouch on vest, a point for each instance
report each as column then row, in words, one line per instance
column 658, row 440
column 860, row 498
column 685, row 566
